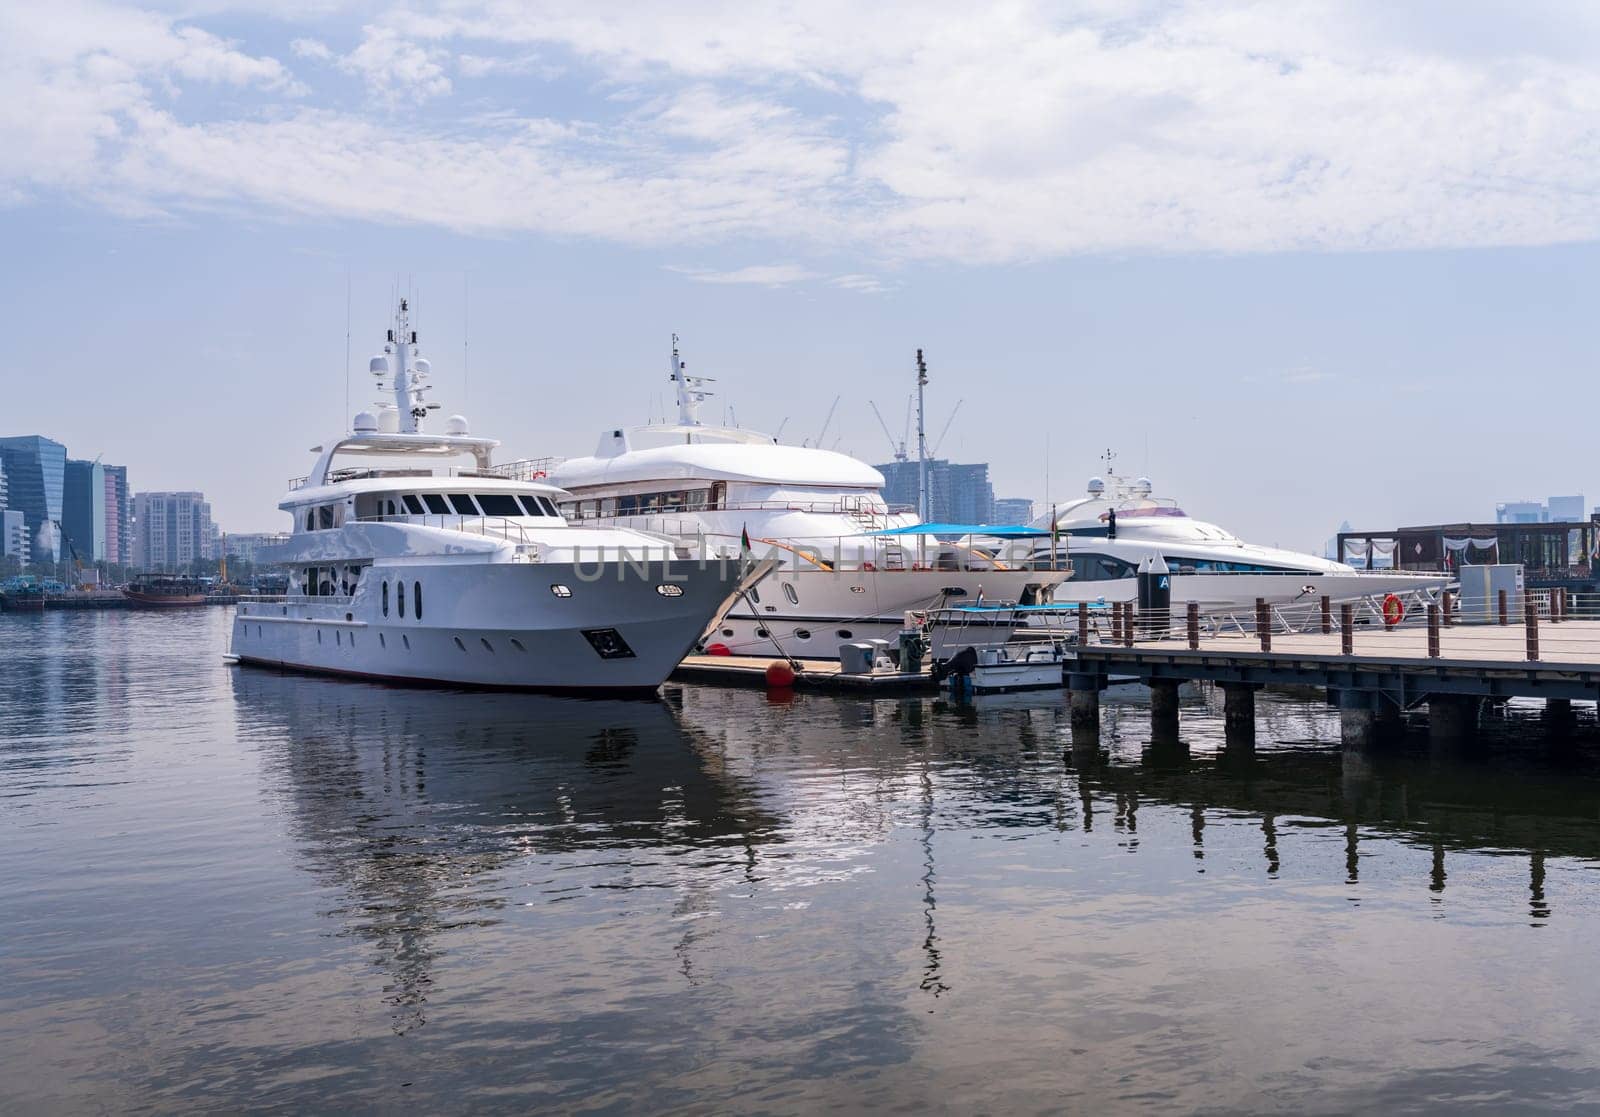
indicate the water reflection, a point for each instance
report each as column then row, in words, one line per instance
column 411, row 801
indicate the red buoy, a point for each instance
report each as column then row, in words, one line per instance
column 718, row 649
column 780, row 676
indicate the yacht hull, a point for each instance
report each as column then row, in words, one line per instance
column 809, row 613
column 497, row 624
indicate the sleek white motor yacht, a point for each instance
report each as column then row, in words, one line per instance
column 404, row 570
column 848, row 568
column 1119, row 524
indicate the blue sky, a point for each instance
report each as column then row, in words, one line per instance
column 1302, row 262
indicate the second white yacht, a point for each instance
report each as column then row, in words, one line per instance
column 848, row 567
column 400, row 570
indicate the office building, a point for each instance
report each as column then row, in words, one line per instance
column 14, row 542
column 1554, row 510
column 119, row 516
column 83, row 510
column 250, row 547
column 171, row 530
column 35, row 469
column 956, row 493
column 1013, row 510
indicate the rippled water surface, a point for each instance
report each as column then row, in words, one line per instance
column 230, row 889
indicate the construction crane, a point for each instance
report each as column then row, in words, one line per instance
column 823, row 433
column 897, row 448
column 946, row 429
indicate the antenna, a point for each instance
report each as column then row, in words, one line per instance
column 946, row 429
column 821, row 434
column 922, row 439
column 781, row 425
column 347, row 343
column 466, row 333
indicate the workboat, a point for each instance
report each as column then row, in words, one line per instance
column 164, row 591
column 411, row 568
column 850, row 567
column 1119, row 526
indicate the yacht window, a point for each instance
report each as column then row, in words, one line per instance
column 788, row 591
column 416, row 599
column 400, row 597
column 549, row 506
column 608, row 506
column 414, row 505
column 325, row 516
column 311, row 519
column 389, row 507
column 499, row 504
column 386, row 599
column 464, row 505
column 1100, row 568
column 530, row 505
column 436, row 504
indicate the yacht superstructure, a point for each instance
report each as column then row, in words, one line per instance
column 1119, row 524
column 409, row 568
column 847, row 567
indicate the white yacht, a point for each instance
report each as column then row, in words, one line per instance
column 1119, row 524
column 406, row 569
column 849, row 566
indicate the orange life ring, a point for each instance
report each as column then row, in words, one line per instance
column 539, row 475
column 1394, row 610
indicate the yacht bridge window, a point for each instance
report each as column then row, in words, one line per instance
column 646, row 504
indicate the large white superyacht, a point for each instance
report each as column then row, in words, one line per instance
column 849, row 566
column 411, row 570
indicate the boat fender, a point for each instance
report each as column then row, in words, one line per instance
column 780, row 676
column 718, row 649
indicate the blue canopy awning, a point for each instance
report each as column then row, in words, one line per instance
column 997, row 531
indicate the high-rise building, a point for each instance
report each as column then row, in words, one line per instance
column 14, row 535
column 1555, row 510
column 119, row 516
column 171, row 530
column 83, row 510
column 959, row 494
column 1013, row 510
column 35, row 471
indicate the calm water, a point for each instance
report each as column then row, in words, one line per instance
column 228, row 889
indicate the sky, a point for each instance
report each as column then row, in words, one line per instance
column 1299, row 262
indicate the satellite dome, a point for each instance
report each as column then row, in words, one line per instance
column 389, row 421
column 456, row 425
column 423, row 366
column 379, row 365
column 1143, row 486
column 1097, row 486
column 366, row 423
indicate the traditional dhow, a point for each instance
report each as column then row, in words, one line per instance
column 411, row 569
column 164, row 591
column 848, row 568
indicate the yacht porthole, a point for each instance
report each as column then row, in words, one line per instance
column 727, row 632
column 560, row 591
column 338, row 638
column 770, row 608
column 349, row 616
column 755, row 595
column 515, row 643
column 845, row 634
column 459, row 644
column 488, row 647
column 762, row 634
column 858, row 589
column 258, row 630
column 788, row 591
column 319, row 635
column 667, row 589
column 802, row 634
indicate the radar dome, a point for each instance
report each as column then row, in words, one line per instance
column 379, row 365
column 423, row 366
column 389, row 421
column 1096, row 486
column 366, row 422
column 456, row 425
column 1142, row 486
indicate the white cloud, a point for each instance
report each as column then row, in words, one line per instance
column 764, row 275
column 935, row 130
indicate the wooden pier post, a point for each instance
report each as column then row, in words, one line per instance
column 1263, row 624
column 1347, row 628
column 1433, row 631
column 1084, row 705
column 1239, row 713
column 1083, row 624
column 1327, row 615
column 1505, row 614
column 1163, row 711
column 1448, row 600
column 1192, row 616
column 1530, row 622
column 1116, row 623
column 1127, row 625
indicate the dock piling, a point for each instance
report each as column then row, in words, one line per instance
column 1193, row 619
column 1264, row 624
column 1530, row 623
column 1347, row 628
column 1453, row 717
column 1358, row 720
column 1239, row 712
column 1433, row 631
column 1505, row 614
column 1163, row 711
column 1327, row 615
column 1084, row 706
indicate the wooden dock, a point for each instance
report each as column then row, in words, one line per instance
column 822, row 675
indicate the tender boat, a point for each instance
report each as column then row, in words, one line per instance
column 849, row 566
column 1119, row 524
column 410, row 570
column 164, row 591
